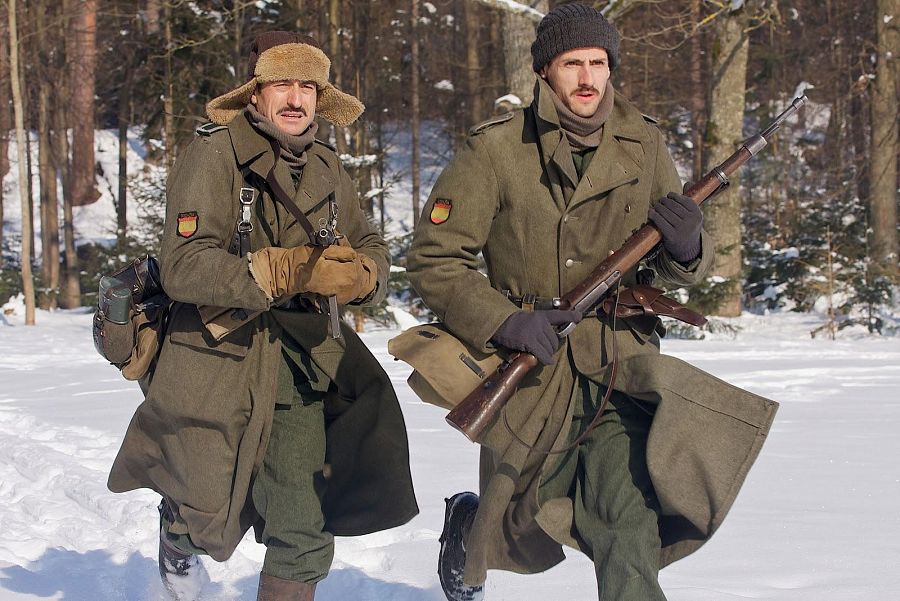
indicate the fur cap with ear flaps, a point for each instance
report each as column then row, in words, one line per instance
column 289, row 61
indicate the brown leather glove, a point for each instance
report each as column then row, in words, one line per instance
column 327, row 271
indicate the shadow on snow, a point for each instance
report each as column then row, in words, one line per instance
column 72, row 576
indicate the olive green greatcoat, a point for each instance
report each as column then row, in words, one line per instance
column 201, row 433
column 514, row 195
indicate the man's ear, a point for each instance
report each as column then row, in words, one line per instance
column 543, row 72
column 253, row 99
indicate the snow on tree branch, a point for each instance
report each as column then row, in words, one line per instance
column 514, row 7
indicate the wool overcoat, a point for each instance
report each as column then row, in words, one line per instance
column 201, row 433
column 512, row 194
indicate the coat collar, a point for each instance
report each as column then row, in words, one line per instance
column 613, row 165
column 254, row 152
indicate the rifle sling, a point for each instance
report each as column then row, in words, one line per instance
column 285, row 199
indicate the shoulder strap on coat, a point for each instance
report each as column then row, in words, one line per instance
column 326, row 145
column 491, row 122
column 208, row 129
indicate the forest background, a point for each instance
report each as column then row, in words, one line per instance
column 808, row 225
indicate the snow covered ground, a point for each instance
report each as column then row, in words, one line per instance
column 817, row 520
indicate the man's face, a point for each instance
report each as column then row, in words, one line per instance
column 290, row 104
column 579, row 78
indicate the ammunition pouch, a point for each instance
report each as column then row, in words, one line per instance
column 445, row 369
column 130, row 318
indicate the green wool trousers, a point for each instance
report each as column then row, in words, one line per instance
column 287, row 492
column 288, row 489
column 616, row 511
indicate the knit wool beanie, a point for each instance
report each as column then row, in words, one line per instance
column 571, row 26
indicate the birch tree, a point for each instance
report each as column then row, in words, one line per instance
column 5, row 117
column 19, row 112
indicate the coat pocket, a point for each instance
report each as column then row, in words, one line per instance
column 187, row 329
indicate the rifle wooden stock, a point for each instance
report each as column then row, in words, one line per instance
column 477, row 411
column 480, row 408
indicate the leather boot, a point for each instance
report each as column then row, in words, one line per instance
column 272, row 588
column 460, row 512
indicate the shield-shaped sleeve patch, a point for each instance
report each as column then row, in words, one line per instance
column 440, row 211
column 187, row 224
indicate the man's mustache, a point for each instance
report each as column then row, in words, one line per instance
column 586, row 89
column 289, row 109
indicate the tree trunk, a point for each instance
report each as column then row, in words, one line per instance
column 49, row 203
column 169, row 99
column 884, row 145
column 29, row 172
column 5, row 116
column 698, row 93
column 414, row 108
column 122, row 204
column 82, row 74
column 151, row 16
column 238, row 43
column 5, row 110
column 497, row 84
column 47, row 175
column 27, row 278
column 724, row 134
column 70, row 297
column 518, row 34
column 335, row 54
column 473, row 64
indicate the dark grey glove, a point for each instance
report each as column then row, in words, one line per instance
column 679, row 220
column 534, row 332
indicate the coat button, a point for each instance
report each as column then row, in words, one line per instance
column 627, row 208
column 569, row 262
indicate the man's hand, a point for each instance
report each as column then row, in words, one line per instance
column 534, row 332
column 324, row 270
column 679, row 220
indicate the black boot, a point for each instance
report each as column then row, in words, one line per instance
column 182, row 573
column 458, row 517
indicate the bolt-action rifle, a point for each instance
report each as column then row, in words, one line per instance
column 481, row 407
column 327, row 235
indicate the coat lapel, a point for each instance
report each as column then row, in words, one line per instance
column 617, row 161
column 555, row 151
column 251, row 149
column 316, row 181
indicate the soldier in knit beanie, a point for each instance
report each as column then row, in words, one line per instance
column 572, row 26
column 543, row 194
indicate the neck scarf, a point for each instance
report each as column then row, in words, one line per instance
column 293, row 148
column 585, row 132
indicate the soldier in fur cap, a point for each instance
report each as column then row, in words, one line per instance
column 258, row 414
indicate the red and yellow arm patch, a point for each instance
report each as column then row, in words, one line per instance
column 187, row 224
column 440, row 211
